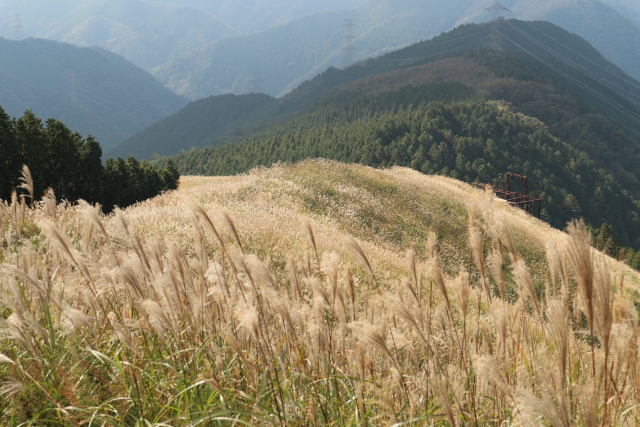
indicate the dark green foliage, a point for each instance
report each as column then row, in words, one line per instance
column 633, row 259
column 9, row 155
column 472, row 141
column 71, row 165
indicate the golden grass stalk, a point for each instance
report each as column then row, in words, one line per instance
column 27, row 182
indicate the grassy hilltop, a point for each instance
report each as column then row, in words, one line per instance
column 247, row 299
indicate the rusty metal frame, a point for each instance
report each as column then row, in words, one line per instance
column 520, row 200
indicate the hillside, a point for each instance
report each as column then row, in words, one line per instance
column 306, row 268
column 292, row 53
column 585, row 80
column 92, row 91
column 299, row 50
column 303, row 37
column 564, row 116
column 146, row 33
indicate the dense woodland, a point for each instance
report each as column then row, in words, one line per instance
column 449, row 132
column 71, row 165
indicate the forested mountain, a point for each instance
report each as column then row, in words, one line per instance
column 146, row 33
column 586, row 80
column 198, row 55
column 93, row 91
column 60, row 160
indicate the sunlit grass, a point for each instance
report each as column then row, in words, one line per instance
column 246, row 301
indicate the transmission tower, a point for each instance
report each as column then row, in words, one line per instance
column 74, row 90
column 348, row 51
column 495, row 37
column 255, row 82
column 18, row 26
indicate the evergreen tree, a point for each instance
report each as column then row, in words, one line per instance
column 171, row 175
column 62, row 158
column 9, row 156
column 72, row 166
column 90, row 171
column 29, row 131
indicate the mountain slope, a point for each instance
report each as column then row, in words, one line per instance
column 586, row 78
column 288, row 55
column 563, row 116
column 91, row 90
column 473, row 141
column 352, row 268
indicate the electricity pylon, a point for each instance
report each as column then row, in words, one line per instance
column 18, row 26
column 495, row 37
column 348, row 51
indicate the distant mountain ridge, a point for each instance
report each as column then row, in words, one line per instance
column 250, row 16
column 93, row 91
column 299, row 50
column 193, row 49
column 146, row 33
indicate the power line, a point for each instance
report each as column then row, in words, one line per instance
column 348, row 51
column 495, row 37
column 593, row 76
column 475, row 42
column 582, row 56
column 612, row 104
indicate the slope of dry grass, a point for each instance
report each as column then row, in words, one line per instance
column 246, row 301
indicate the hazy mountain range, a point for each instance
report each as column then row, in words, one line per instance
column 295, row 52
column 199, row 47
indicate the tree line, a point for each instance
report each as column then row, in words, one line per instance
column 72, row 166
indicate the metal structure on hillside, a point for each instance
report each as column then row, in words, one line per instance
column 349, row 49
column 520, row 200
column 18, row 26
column 495, row 37
column 255, row 82
column 74, row 89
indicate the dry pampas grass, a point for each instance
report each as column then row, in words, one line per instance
column 223, row 319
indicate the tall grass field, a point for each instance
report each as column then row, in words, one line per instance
column 315, row 294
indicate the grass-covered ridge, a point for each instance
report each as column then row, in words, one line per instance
column 253, row 304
